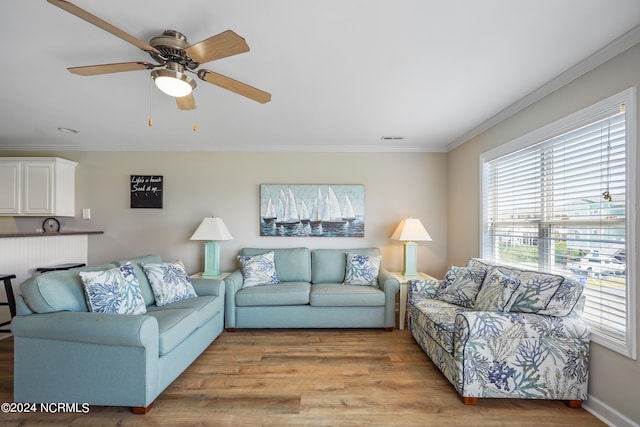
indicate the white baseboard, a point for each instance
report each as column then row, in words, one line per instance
column 607, row 414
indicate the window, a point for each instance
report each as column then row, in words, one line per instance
column 561, row 199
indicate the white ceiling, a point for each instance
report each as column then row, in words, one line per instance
column 342, row 74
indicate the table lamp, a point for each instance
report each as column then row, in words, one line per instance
column 212, row 230
column 409, row 231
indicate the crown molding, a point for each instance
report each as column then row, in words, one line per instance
column 404, row 148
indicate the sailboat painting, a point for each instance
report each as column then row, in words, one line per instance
column 312, row 210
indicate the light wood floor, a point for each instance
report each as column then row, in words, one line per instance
column 309, row 377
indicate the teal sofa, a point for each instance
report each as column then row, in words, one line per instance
column 311, row 293
column 64, row 353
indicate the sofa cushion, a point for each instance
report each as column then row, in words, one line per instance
column 339, row 295
column 205, row 307
column 535, row 292
column 419, row 288
column 292, row 264
column 329, row 265
column 286, row 293
column 461, row 285
column 169, row 282
column 362, row 269
column 539, row 292
column 497, row 292
column 564, row 300
column 174, row 326
column 258, row 270
column 57, row 290
column 437, row 319
column 113, row 291
column 145, row 286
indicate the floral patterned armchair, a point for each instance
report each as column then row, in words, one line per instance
column 497, row 331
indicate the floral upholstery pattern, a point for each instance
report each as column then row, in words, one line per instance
column 496, row 354
column 420, row 289
column 114, row 291
column 541, row 293
column 437, row 323
column 362, row 270
column 169, row 282
column 566, row 299
column 461, row 285
column 497, row 292
column 258, row 269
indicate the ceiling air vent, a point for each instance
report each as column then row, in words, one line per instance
column 392, row 138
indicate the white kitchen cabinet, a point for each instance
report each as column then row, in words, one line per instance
column 37, row 186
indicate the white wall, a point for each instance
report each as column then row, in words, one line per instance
column 614, row 380
column 198, row 184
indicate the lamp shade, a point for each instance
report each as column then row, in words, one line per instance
column 409, row 230
column 212, row 228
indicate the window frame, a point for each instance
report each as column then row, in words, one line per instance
column 567, row 124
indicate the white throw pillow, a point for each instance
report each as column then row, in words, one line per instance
column 114, row 291
column 169, row 282
column 258, row 269
column 362, row 270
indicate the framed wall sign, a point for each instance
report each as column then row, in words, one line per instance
column 312, row 210
column 146, row 191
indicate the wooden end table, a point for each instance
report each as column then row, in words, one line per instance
column 404, row 287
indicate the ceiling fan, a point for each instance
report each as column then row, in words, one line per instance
column 174, row 56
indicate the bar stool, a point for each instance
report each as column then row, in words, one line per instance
column 11, row 300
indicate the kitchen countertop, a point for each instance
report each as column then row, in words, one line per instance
column 50, row 234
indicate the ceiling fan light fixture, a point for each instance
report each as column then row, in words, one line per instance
column 173, row 83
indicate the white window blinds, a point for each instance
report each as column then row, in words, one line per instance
column 560, row 205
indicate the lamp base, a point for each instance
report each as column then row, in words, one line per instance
column 211, row 260
column 410, row 259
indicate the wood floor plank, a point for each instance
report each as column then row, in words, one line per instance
column 309, row 378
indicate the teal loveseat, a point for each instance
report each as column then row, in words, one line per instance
column 65, row 353
column 311, row 293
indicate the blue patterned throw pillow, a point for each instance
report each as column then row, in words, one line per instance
column 258, row 269
column 169, row 282
column 461, row 285
column 496, row 292
column 362, row 270
column 114, row 291
column 565, row 299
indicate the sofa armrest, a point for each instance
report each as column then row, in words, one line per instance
column 387, row 282
column 232, row 284
column 390, row 285
column 208, row 287
column 93, row 328
column 520, row 355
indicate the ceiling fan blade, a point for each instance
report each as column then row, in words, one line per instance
column 186, row 102
column 222, row 45
column 92, row 19
column 235, row 86
column 92, row 70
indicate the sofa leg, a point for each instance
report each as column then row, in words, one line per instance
column 469, row 400
column 141, row 410
column 388, row 329
column 231, row 329
column 574, row 403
